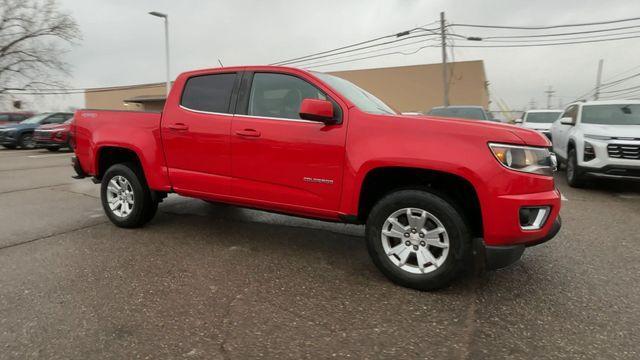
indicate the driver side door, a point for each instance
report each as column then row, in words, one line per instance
column 282, row 161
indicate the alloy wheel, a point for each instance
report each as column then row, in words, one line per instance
column 120, row 196
column 415, row 240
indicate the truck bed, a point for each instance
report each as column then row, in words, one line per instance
column 95, row 131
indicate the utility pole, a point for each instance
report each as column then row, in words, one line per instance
column 445, row 74
column 598, row 79
column 532, row 104
column 550, row 93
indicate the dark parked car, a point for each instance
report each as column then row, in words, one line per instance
column 462, row 112
column 21, row 134
column 13, row 117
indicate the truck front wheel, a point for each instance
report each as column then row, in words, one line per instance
column 125, row 196
column 417, row 239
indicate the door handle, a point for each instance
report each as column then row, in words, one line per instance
column 179, row 127
column 248, row 133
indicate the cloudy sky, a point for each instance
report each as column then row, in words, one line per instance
column 122, row 45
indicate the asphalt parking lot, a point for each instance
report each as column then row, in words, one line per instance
column 213, row 281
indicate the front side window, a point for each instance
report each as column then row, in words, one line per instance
column 209, row 93
column 571, row 112
column 280, row 95
column 623, row 114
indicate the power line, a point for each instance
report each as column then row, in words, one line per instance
column 376, row 56
column 544, row 27
column 303, row 65
column 396, row 35
column 561, row 34
column 620, row 90
column 357, row 49
column 563, row 39
column 549, row 44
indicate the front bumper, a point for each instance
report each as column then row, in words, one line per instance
column 8, row 140
column 497, row 257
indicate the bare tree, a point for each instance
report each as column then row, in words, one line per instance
column 33, row 38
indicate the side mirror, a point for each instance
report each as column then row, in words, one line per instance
column 518, row 121
column 317, row 110
column 567, row 121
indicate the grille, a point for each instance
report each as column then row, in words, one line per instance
column 623, row 151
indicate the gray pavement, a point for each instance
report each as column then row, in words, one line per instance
column 212, row 281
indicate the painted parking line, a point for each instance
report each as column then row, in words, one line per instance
column 46, row 156
column 564, row 198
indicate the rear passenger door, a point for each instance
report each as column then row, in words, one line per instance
column 278, row 159
column 195, row 135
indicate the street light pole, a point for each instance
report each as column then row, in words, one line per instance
column 166, row 44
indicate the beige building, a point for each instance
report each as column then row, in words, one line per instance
column 415, row 88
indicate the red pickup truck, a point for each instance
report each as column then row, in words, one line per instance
column 435, row 194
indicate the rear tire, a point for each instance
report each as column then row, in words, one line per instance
column 126, row 198
column 10, row 147
column 440, row 264
column 575, row 176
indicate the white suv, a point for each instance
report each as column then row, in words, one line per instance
column 600, row 139
column 539, row 120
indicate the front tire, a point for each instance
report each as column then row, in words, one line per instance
column 26, row 141
column 53, row 149
column 575, row 177
column 417, row 239
column 126, row 198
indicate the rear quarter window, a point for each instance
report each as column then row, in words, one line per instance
column 210, row 93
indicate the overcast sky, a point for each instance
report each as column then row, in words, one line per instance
column 122, row 45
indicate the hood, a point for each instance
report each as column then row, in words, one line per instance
column 492, row 131
column 619, row 131
column 537, row 126
column 19, row 126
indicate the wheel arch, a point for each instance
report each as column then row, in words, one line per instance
column 455, row 188
column 109, row 155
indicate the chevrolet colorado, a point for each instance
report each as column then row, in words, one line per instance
column 431, row 191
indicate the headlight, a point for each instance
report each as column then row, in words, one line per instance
column 535, row 160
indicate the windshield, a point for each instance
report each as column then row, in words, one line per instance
column 35, row 119
column 542, row 117
column 359, row 97
column 459, row 112
column 623, row 114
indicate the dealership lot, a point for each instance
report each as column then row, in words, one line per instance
column 215, row 281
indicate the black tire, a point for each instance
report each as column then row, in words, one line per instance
column 53, row 149
column 26, row 141
column 144, row 205
column 452, row 220
column 575, row 176
column 10, row 147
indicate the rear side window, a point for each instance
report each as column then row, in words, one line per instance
column 210, row 93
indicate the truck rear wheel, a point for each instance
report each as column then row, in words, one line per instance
column 417, row 239
column 126, row 198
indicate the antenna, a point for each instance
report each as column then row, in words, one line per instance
column 220, row 62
